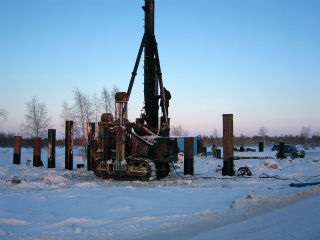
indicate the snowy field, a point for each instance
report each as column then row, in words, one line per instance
column 42, row 203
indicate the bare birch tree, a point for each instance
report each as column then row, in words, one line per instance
column 113, row 95
column 263, row 131
column 66, row 112
column 178, row 131
column 106, row 100
column 36, row 117
column 3, row 114
column 96, row 107
column 306, row 133
column 82, row 114
column 215, row 136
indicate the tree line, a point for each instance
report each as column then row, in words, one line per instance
column 250, row 141
column 88, row 108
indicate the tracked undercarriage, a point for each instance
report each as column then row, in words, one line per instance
column 133, row 169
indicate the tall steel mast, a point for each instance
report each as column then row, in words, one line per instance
column 152, row 72
column 150, row 77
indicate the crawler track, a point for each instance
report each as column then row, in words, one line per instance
column 141, row 169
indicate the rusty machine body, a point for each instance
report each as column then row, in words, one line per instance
column 142, row 150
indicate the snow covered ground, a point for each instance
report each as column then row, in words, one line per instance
column 42, row 203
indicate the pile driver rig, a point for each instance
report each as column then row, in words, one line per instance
column 142, row 150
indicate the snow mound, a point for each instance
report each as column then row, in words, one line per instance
column 271, row 163
column 55, row 179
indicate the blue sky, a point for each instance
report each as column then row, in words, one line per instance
column 259, row 60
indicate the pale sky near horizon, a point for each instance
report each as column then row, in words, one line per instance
column 256, row 59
